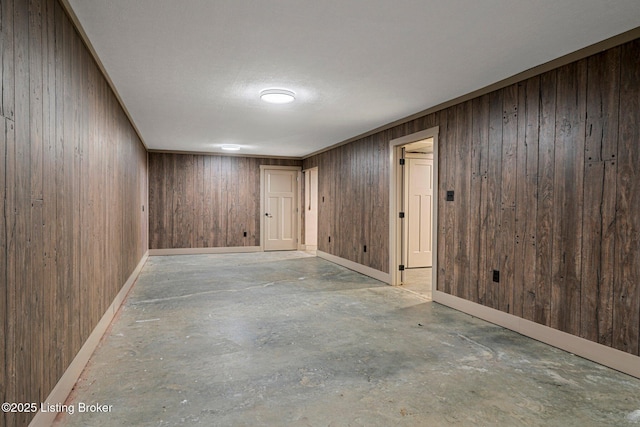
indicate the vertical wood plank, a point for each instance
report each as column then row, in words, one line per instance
column 461, row 269
column 155, row 200
column 207, row 220
column 50, row 302
column 5, row 221
column 179, row 203
column 6, row 44
column 87, row 206
column 35, row 98
column 362, row 166
column 479, row 262
column 380, row 223
column 226, row 171
column 452, row 207
column 568, row 200
column 168, row 215
column 7, row 69
column 190, row 200
column 233, row 188
column 527, row 196
column 546, row 168
column 370, row 186
column 67, row 231
column 75, row 137
column 253, row 227
column 626, row 315
column 63, row 230
column 508, row 290
column 10, row 292
column 603, row 97
column 494, row 181
column 444, row 163
column 22, row 276
column 216, row 178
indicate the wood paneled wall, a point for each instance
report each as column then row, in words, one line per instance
column 205, row 201
column 74, row 183
column 353, row 192
column 547, row 191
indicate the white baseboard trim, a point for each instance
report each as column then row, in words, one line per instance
column 362, row 269
column 607, row 356
column 308, row 248
column 203, row 251
column 65, row 384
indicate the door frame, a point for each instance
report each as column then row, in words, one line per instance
column 298, row 169
column 395, row 203
column 305, row 173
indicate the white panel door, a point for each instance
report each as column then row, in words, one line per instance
column 280, row 209
column 419, row 211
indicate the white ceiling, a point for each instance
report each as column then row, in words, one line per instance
column 190, row 71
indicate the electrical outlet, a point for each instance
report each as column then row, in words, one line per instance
column 449, row 196
column 496, row 276
column 365, row 248
column 244, row 234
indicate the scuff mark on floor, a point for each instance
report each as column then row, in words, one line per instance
column 197, row 294
column 486, row 351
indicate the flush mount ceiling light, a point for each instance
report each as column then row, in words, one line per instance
column 230, row 147
column 277, row 96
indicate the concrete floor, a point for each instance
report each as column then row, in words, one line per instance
column 418, row 281
column 286, row 339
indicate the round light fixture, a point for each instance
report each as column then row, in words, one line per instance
column 230, row 147
column 277, row 96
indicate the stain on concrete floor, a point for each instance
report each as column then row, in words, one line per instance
column 286, row 339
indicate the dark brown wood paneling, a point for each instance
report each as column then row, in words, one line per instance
column 462, row 179
column 7, row 68
column 568, row 200
column 479, row 231
column 494, row 211
column 507, row 288
column 11, row 299
column 450, row 219
column 626, row 292
column 198, row 201
column 527, row 198
column 364, row 166
column 24, row 346
column 73, row 183
column 546, row 191
column 603, row 97
column 544, row 228
column 3, row 257
column 379, row 234
column 51, row 333
column 444, row 208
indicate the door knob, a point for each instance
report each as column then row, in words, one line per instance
column 268, row 215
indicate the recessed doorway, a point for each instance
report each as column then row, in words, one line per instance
column 413, row 208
